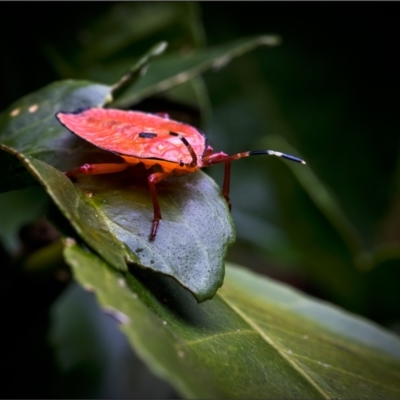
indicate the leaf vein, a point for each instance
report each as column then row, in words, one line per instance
column 279, row 349
column 223, row 334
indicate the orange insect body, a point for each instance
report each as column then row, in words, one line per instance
column 139, row 137
column 171, row 147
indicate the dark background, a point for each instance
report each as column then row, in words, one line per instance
column 358, row 38
column 335, row 82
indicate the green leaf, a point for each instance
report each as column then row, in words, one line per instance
column 29, row 125
column 170, row 71
column 137, row 68
column 197, row 229
column 113, row 213
column 255, row 339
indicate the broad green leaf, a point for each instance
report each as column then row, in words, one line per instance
column 173, row 70
column 113, row 213
column 29, row 125
column 255, row 339
column 198, row 229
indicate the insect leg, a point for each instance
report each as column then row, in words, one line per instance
column 153, row 179
column 227, row 183
column 214, row 158
column 97, row 169
column 221, row 157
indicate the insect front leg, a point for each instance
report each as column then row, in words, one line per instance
column 97, row 169
column 153, row 179
column 216, row 158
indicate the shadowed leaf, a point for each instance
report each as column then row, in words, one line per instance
column 255, row 339
column 113, row 214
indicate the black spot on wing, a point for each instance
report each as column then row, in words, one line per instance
column 147, row 135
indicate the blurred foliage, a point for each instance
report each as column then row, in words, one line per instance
column 326, row 94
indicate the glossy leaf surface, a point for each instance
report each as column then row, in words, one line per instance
column 255, row 339
column 113, row 213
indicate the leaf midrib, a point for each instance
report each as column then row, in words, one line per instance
column 271, row 342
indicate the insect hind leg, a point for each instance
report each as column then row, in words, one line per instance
column 153, row 179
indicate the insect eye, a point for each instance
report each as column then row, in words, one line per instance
column 181, row 163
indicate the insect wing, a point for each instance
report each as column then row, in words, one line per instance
column 135, row 134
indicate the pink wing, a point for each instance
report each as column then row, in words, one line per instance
column 135, row 133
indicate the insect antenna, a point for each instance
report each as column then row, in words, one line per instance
column 276, row 153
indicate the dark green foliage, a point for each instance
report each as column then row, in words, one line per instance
column 330, row 228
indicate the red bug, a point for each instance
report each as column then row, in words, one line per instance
column 165, row 147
